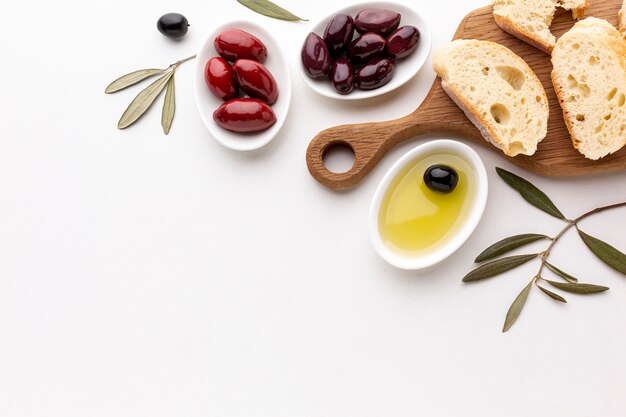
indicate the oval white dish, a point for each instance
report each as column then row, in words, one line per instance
column 405, row 69
column 207, row 103
column 441, row 252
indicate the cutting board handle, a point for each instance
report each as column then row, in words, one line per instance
column 369, row 142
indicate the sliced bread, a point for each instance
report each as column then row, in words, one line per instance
column 530, row 20
column 589, row 77
column 498, row 92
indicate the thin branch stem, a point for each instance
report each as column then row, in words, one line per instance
column 598, row 210
column 182, row 61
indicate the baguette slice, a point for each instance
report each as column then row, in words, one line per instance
column 498, row 92
column 589, row 77
column 530, row 20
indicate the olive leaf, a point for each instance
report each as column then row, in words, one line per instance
column 131, row 79
column 507, row 245
column 516, row 307
column 560, row 273
column 552, row 295
column 497, row 267
column 269, row 9
column 577, row 288
column 169, row 107
column 605, row 252
column 530, row 193
column 143, row 101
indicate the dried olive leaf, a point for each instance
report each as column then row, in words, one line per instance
column 530, row 193
column 496, row 267
column 605, row 252
column 516, row 307
column 561, row 273
column 507, row 245
column 552, row 295
column 169, row 107
column 269, row 9
column 131, row 79
column 143, row 101
column 577, row 288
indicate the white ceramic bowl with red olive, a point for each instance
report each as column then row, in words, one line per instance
column 364, row 50
column 242, row 85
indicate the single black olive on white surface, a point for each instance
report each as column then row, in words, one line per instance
column 173, row 25
column 441, row 178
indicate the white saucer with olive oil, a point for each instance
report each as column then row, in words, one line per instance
column 417, row 221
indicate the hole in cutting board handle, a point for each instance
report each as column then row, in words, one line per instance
column 339, row 157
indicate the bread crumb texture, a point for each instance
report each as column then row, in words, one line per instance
column 589, row 77
column 498, row 92
column 530, row 20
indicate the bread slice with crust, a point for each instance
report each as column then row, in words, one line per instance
column 622, row 19
column 498, row 92
column 589, row 77
column 530, row 20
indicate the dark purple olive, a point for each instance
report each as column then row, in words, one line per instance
column 365, row 48
column 402, row 42
column 342, row 75
column 375, row 73
column 315, row 56
column 339, row 33
column 379, row 21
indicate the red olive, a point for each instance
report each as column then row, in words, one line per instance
column 339, row 33
column 365, row 48
column 342, row 75
column 220, row 79
column 379, row 21
column 402, row 42
column 255, row 80
column 233, row 44
column 315, row 56
column 244, row 115
column 375, row 74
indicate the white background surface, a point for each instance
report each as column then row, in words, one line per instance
column 144, row 275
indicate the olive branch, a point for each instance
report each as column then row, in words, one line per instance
column 605, row 252
column 148, row 95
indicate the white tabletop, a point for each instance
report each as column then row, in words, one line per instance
column 152, row 275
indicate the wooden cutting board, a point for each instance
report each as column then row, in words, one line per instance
column 439, row 115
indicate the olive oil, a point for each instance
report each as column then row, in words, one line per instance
column 414, row 219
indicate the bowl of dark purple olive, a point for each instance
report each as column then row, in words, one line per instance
column 364, row 50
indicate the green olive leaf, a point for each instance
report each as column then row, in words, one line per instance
column 552, row 295
column 143, row 101
column 269, row 9
column 605, row 252
column 530, row 193
column 131, row 79
column 507, row 245
column 577, row 288
column 493, row 268
column 516, row 307
column 169, row 107
column 561, row 273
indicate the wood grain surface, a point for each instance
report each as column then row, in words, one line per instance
column 439, row 115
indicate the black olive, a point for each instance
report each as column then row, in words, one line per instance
column 441, row 178
column 173, row 25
